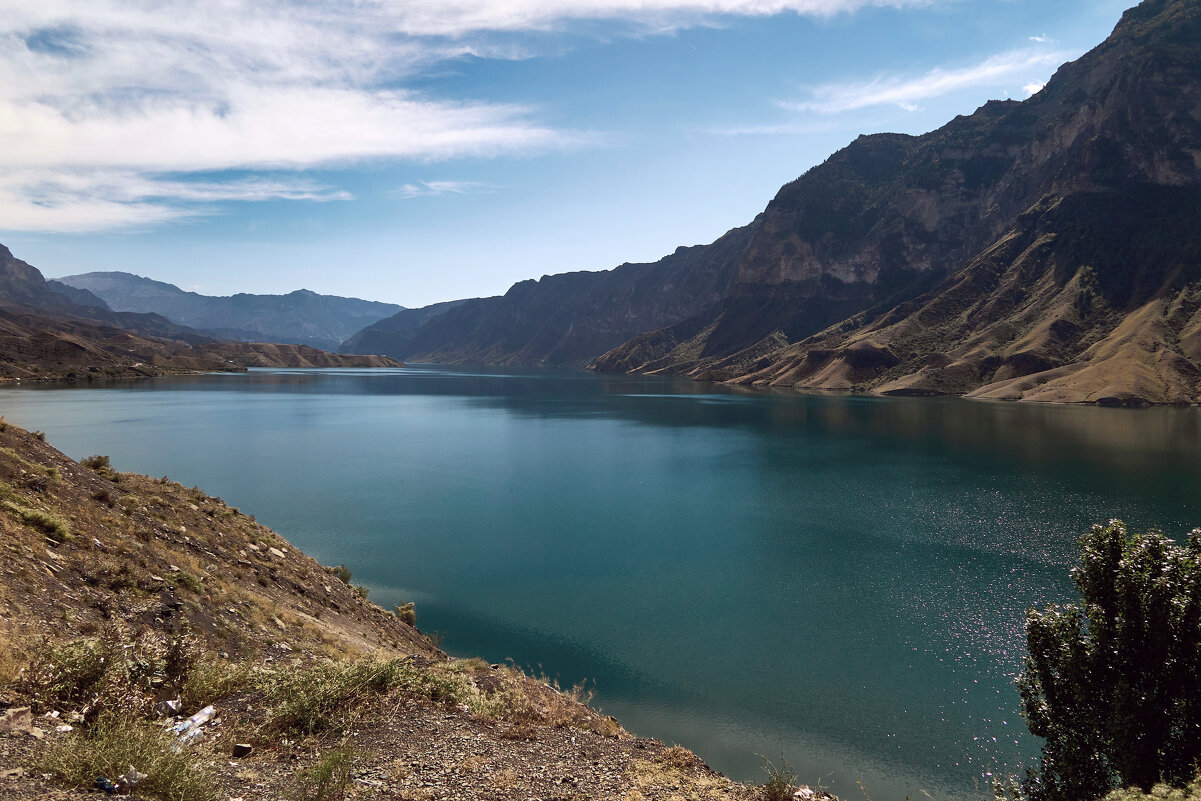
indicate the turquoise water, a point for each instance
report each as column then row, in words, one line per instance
column 837, row 580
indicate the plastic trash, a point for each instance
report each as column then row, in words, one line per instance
column 104, row 785
column 196, row 721
column 170, row 708
column 192, row 737
column 130, row 779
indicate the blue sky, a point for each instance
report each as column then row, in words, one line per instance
column 418, row 152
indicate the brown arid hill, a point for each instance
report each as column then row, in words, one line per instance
column 119, row 592
column 1048, row 250
column 34, row 347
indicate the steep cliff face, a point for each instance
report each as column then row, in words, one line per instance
column 565, row 319
column 1055, row 223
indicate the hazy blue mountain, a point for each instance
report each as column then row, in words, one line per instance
column 300, row 317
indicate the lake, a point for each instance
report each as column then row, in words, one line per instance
column 837, row 580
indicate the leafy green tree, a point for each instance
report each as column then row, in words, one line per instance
column 1114, row 685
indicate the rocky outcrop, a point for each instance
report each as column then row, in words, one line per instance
column 1044, row 250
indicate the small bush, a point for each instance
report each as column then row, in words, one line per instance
column 113, row 745
column 39, row 435
column 328, row 780
column 209, row 681
column 781, row 781
column 678, row 757
column 115, row 672
column 361, row 591
column 342, row 572
column 407, row 613
column 185, row 579
column 96, row 462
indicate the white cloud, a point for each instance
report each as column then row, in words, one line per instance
column 429, row 188
column 904, row 92
column 100, row 98
column 1042, row 39
column 1033, row 88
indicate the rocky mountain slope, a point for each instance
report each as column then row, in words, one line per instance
column 128, row 604
column 301, row 317
column 566, row 319
column 1043, row 250
column 49, row 334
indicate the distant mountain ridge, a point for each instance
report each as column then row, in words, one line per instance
column 300, row 317
column 565, row 319
column 47, row 332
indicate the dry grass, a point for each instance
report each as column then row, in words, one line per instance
column 111, row 746
column 328, row 780
column 666, row 781
column 503, row 779
column 1160, row 792
column 13, row 656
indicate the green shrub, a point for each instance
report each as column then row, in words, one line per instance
column 114, row 745
column 96, row 462
column 1113, row 685
column 342, row 572
column 407, row 613
column 185, row 579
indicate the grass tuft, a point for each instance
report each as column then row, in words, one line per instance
column 329, row 779
column 781, row 782
column 50, row 524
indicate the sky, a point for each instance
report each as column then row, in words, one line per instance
column 415, row 152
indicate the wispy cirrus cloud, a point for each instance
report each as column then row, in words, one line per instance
column 55, row 200
column 432, row 188
column 905, row 92
column 119, row 93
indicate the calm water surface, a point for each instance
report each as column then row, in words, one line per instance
column 838, row 580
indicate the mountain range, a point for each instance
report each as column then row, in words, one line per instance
column 301, row 317
column 1040, row 250
column 1045, row 250
column 53, row 331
